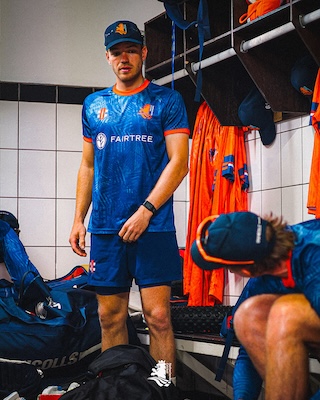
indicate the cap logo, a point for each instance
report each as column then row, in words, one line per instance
column 122, row 29
column 305, row 91
column 259, row 231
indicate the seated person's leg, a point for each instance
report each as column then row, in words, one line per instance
column 293, row 330
column 250, row 323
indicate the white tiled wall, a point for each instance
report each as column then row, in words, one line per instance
column 181, row 209
column 40, row 152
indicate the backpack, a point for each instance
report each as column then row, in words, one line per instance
column 19, row 376
column 122, row 372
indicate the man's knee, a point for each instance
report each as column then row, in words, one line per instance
column 289, row 316
column 248, row 312
column 158, row 319
column 112, row 323
column 252, row 315
column 111, row 320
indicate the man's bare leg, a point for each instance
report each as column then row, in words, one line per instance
column 113, row 313
column 156, row 308
column 277, row 333
column 293, row 328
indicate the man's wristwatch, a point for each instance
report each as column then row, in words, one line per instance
column 149, row 206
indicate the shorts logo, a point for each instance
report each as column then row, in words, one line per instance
column 121, row 29
column 146, row 111
column 92, row 266
column 101, row 140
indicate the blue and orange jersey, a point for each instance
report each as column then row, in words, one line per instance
column 315, row 105
column 127, row 130
column 313, row 203
column 218, row 184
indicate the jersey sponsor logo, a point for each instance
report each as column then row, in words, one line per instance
column 131, row 138
column 121, row 29
column 146, row 111
column 101, row 140
column 102, row 114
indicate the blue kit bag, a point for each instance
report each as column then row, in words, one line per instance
column 59, row 335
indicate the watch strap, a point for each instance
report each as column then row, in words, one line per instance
column 149, row 206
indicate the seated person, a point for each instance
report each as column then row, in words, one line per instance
column 277, row 321
column 16, row 270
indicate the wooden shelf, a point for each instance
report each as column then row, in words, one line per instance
column 261, row 53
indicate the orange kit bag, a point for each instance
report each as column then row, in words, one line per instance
column 258, row 8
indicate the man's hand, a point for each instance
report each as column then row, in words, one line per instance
column 77, row 239
column 135, row 225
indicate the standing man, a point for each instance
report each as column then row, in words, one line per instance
column 135, row 154
column 278, row 319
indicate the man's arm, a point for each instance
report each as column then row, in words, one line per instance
column 83, row 199
column 177, row 145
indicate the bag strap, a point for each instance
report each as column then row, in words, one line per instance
column 225, row 354
column 244, row 17
column 203, row 33
column 36, row 290
column 202, row 23
column 173, row 10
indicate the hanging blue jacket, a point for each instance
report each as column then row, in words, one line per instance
column 14, row 255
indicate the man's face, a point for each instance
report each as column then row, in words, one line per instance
column 126, row 60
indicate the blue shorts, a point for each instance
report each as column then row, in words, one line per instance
column 152, row 260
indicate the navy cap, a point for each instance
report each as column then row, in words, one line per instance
column 9, row 218
column 304, row 74
column 237, row 238
column 122, row 31
column 254, row 111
